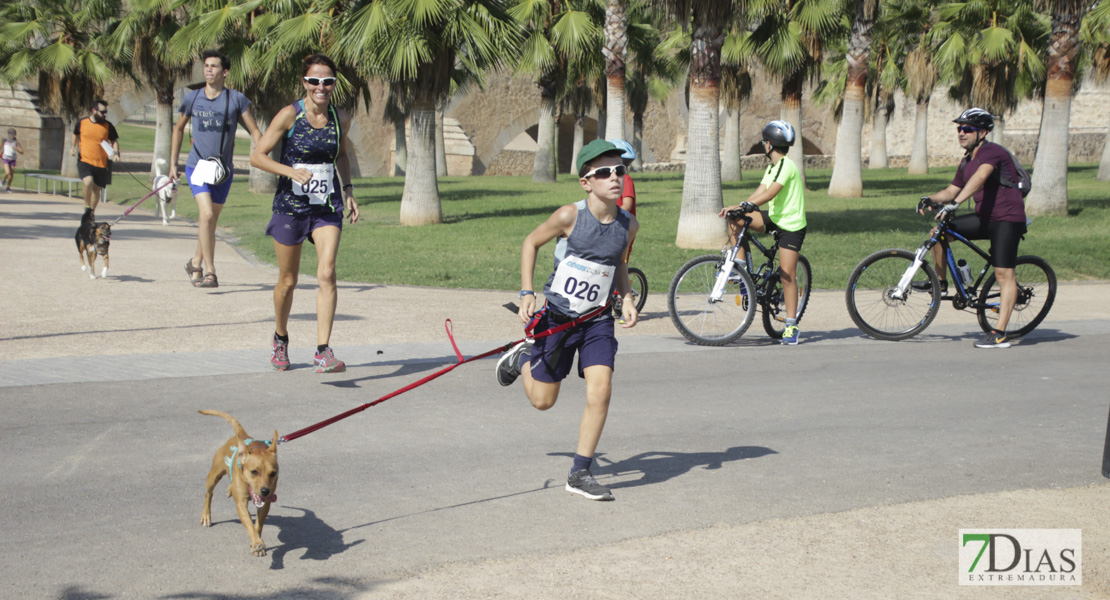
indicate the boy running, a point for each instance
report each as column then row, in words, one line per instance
column 593, row 235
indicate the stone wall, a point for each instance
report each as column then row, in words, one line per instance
column 42, row 137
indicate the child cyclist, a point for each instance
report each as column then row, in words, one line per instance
column 782, row 191
column 627, row 201
column 593, row 236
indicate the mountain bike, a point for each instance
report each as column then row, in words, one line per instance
column 639, row 289
column 713, row 297
column 895, row 294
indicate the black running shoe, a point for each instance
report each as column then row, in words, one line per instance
column 925, row 286
column 508, row 368
column 583, row 482
column 994, row 339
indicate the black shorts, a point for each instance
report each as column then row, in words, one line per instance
column 102, row 177
column 791, row 240
column 1004, row 236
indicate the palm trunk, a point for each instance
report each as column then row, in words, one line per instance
column 602, row 123
column 698, row 223
column 847, row 178
column 579, row 137
column 1104, row 164
column 614, row 101
column 919, row 156
column 69, row 163
column 400, row 148
column 163, row 131
column 1049, row 195
column 998, row 136
column 730, row 154
column 547, row 161
column 441, row 147
column 792, row 113
column 879, row 159
column 259, row 181
column 638, row 141
column 420, row 199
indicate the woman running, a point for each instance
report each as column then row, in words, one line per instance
column 308, row 203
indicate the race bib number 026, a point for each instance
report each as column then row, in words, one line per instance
column 318, row 189
column 584, row 283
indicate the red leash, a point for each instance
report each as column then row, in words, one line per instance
column 136, row 205
column 447, row 326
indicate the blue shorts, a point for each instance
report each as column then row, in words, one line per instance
column 218, row 192
column 553, row 356
column 290, row 230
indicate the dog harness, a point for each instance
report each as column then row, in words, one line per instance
column 230, row 460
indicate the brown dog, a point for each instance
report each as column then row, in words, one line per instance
column 93, row 238
column 252, row 466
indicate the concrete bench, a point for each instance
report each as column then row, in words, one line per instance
column 55, row 179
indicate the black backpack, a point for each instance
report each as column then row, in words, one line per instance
column 1024, row 182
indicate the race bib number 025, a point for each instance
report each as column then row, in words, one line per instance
column 318, row 189
column 584, row 283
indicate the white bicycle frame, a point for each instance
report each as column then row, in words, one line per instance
column 899, row 292
column 722, row 276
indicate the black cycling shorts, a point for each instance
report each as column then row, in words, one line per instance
column 791, row 240
column 1004, row 236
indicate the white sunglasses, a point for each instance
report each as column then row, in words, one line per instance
column 319, row 81
column 605, row 172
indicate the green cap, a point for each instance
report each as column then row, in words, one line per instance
column 593, row 150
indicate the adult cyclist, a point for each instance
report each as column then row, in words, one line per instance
column 999, row 211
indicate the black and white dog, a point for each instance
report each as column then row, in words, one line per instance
column 167, row 195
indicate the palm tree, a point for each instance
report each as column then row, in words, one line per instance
column 885, row 78
column 847, row 177
column 908, row 23
column 654, row 71
column 708, row 21
column 1096, row 37
column 987, row 50
column 790, row 42
column 559, row 34
column 737, row 56
column 1049, row 194
column 141, row 36
column 61, row 44
column 417, row 46
column 615, row 51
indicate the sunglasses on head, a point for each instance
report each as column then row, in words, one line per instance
column 966, row 129
column 320, row 80
column 605, row 172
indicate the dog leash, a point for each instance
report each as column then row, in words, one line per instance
column 447, row 325
column 136, row 205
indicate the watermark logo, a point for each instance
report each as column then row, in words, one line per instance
column 1021, row 557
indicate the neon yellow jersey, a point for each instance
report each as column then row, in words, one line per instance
column 788, row 208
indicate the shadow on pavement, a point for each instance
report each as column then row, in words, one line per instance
column 657, row 467
column 319, row 540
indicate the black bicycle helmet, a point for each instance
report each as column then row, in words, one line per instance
column 977, row 118
column 779, row 133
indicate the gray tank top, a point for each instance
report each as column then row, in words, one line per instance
column 589, row 258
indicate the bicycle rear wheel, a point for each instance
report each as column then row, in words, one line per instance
column 696, row 316
column 639, row 287
column 1036, row 283
column 873, row 307
column 774, row 303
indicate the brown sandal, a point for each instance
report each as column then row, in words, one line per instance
column 209, row 281
column 190, row 270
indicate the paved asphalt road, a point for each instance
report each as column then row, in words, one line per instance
column 102, row 482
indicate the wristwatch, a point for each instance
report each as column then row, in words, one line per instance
column 524, row 293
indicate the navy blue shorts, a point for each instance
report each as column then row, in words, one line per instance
column 553, row 356
column 217, row 192
column 290, row 230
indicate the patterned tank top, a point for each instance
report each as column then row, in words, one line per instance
column 586, row 263
column 306, row 145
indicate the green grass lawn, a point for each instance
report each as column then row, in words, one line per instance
column 140, row 138
column 486, row 219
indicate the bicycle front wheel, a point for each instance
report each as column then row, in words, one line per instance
column 639, row 287
column 871, row 296
column 1036, row 291
column 774, row 302
column 699, row 317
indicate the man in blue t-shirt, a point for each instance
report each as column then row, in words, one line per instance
column 999, row 211
column 216, row 112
